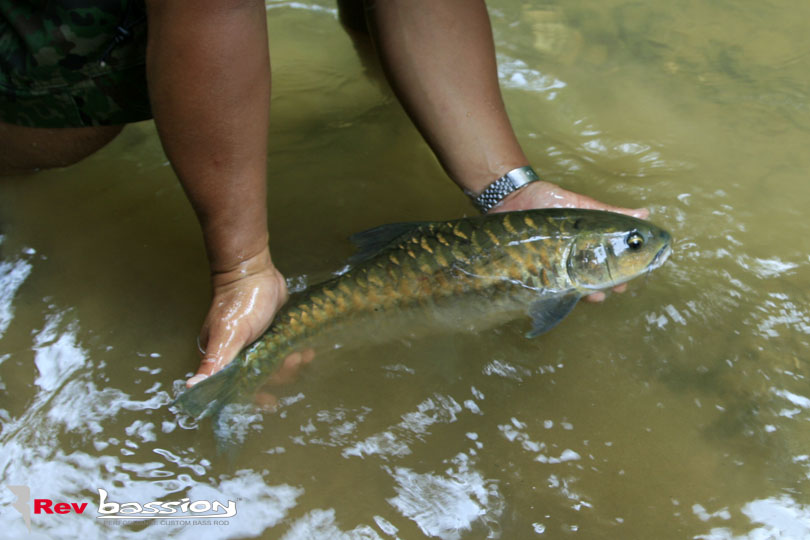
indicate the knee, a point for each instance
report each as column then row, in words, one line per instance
column 25, row 149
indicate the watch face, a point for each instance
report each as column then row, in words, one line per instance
column 522, row 176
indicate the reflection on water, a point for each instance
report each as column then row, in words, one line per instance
column 12, row 274
column 777, row 518
column 445, row 506
column 676, row 410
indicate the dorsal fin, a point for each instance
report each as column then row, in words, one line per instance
column 372, row 241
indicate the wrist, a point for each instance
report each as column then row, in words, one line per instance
column 522, row 199
column 250, row 264
column 257, row 270
column 502, row 188
column 229, row 245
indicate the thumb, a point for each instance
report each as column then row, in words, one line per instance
column 219, row 349
column 641, row 213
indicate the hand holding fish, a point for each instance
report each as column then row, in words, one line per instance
column 542, row 194
column 245, row 300
column 247, row 297
column 426, row 277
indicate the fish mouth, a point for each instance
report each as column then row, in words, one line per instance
column 660, row 257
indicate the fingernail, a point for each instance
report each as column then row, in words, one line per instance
column 196, row 378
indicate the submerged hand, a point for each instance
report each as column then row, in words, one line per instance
column 547, row 195
column 286, row 374
column 246, row 298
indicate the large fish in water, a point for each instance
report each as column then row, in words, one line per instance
column 471, row 273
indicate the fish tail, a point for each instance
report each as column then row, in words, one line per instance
column 207, row 397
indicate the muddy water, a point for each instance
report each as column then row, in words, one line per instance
column 676, row 410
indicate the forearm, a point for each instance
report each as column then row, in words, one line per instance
column 208, row 69
column 440, row 59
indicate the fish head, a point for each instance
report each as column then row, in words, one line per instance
column 609, row 249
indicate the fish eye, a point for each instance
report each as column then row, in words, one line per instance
column 634, row 241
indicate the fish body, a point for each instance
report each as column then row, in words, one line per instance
column 468, row 273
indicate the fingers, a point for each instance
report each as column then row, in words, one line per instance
column 198, row 377
column 291, row 367
column 288, row 373
column 265, row 401
column 640, row 213
column 596, row 297
column 568, row 199
column 600, row 296
column 221, row 347
column 547, row 195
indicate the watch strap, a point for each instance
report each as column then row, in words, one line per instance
column 497, row 191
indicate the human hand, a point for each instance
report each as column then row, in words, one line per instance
column 547, row 195
column 246, row 298
column 286, row 374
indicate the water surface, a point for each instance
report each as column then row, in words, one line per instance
column 676, row 410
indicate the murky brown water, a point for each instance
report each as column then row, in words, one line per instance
column 677, row 410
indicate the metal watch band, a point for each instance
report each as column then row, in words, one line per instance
column 494, row 193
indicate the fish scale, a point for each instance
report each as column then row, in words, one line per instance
column 414, row 275
column 468, row 273
column 418, row 267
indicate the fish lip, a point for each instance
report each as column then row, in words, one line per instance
column 660, row 257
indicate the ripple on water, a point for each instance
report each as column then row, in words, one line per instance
column 12, row 275
column 446, row 505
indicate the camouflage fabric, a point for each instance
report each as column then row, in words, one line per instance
column 72, row 63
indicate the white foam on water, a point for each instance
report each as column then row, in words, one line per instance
column 12, row 276
column 321, row 523
column 444, row 506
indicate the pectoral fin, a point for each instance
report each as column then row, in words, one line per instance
column 547, row 311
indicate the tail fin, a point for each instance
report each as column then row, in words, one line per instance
column 206, row 398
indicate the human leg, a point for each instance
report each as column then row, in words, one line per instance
column 25, row 149
column 68, row 83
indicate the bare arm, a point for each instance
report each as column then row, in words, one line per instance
column 440, row 60
column 209, row 80
column 208, row 69
column 439, row 57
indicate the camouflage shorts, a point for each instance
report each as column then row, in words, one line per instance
column 72, row 63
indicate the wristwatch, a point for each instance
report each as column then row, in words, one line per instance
column 497, row 191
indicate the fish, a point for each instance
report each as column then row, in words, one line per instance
column 468, row 274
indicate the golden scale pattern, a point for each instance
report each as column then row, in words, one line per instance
column 437, row 261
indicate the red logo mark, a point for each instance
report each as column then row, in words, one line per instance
column 43, row 506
